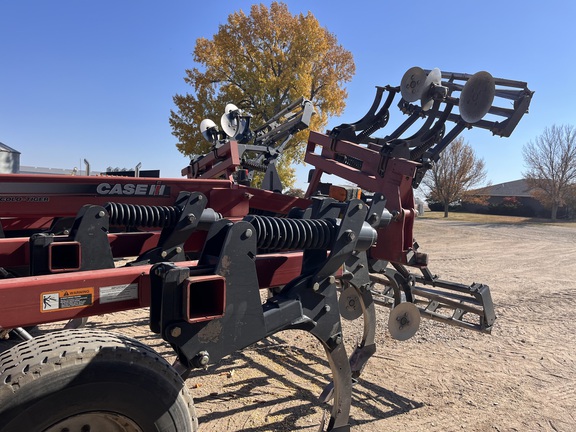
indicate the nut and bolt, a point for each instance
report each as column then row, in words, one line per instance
column 178, row 249
column 316, row 286
column 337, row 339
column 202, row 358
column 164, row 254
column 191, row 218
column 403, row 320
column 350, row 236
column 373, row 218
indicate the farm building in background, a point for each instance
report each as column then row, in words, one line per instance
column 10, row 164
column 511, row 198
column 9, row 160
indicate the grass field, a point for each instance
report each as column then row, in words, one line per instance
column 492, row 219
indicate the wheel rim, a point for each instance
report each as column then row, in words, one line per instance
column 95, row 421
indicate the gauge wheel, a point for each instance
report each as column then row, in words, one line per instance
column 83, row 380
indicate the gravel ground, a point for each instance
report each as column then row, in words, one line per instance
column 522, row 377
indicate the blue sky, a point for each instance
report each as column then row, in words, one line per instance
column 95, row 79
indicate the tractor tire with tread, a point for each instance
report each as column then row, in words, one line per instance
column 85, row 379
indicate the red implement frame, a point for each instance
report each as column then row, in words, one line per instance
column 22, row 298
column 394, row 182
column 33, row 201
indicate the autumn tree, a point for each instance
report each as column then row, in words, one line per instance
column 295, row 192
column 262, row 62
column 454, row 174
column 550, row 160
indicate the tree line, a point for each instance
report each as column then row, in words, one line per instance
column 550, row 173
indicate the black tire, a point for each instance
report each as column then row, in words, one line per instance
column 68, row 379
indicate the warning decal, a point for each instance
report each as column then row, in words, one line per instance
column 66, row 299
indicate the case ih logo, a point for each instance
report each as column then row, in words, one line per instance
column 130, row 189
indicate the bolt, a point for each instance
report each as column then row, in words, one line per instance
column 248, row 233
column 175, row 332
column 327, row 308
column 337, row 339
column 202, row 358
column 316, row 286
column 191, row 218
column 178, row 249
column 360, row 206
column 332, row 280
column 101, row 213
column 164, row 254
column 350, row 236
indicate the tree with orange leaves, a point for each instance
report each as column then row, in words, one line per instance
column 262, row 62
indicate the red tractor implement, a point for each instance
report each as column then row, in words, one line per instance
column 198, row 251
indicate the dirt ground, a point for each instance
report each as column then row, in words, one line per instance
column 522, row 377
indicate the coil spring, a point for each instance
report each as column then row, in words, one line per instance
column 379, row 124
column 133, row 215
column 418, row 152
column 349, row 160
column 252, row 164
column 292, row 234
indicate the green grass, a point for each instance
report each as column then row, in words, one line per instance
column 493, row 219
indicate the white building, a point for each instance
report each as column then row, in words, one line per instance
column 9, row 160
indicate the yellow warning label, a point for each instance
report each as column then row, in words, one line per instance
column 66, row 299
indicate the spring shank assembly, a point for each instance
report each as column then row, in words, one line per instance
column 392, row 166
column 308, row 302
